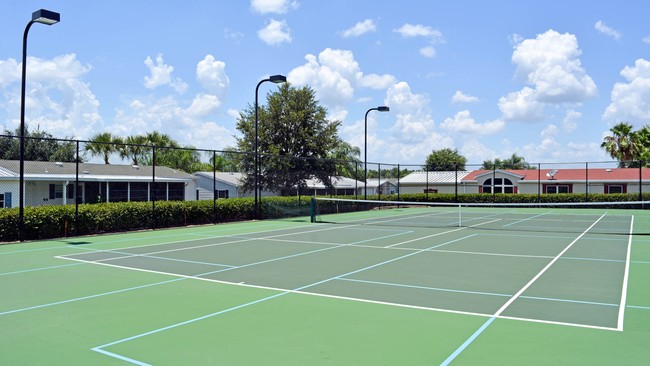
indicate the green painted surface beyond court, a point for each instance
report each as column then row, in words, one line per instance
column 297, row 293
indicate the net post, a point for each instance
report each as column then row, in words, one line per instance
column 312, row 209
column 460, row 216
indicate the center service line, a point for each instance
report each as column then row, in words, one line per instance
column 478, row 332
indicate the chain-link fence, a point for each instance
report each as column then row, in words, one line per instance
column 75, row 173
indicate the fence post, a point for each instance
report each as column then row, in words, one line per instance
column 76, row 193
column 398, row 185
column 356, row 181
column 456, row 182
column 426, row 189
column 587, row 181
column 153, row 188
column 378, row 181
column 214, row 187
column 640, row 180
column 539, row 182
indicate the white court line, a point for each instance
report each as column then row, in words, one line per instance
column 526, row 219
column 621, row 309
column 498, row 313
column 101, row 348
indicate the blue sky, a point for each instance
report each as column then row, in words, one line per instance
column 542, row 79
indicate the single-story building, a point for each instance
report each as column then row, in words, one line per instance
column 433, row 182
column 52, row 183
column 381, row 186
column 228, row 185
column 223, row 184
column 592, row 180
column 533, row 181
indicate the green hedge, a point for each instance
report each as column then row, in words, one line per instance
column 46, row 222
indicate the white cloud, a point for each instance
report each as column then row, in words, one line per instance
column 428, row 51
column 550, row 131
column 161, row 74
column 413, row 128
column 273, row 6
column 569, row 123
column 646, row 39
column 232, row 34
column 418, row 30
column 335, row 75
column 9, row 72
column 433, row 36
column 57, row 98
column 402, row 101
column 188, row 125
column 521, row 106
column 275, row 33
column 551, row 64
column 460, row 97
column 631, row 99
column 476, row 152
column 464, row 123
column 203, row 105
column 375, row 81
column 359, row 29
column 211, row 74
column 610, row 32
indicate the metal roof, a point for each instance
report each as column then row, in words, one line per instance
column 437, row 177
column 45, row 170
column 232, row 178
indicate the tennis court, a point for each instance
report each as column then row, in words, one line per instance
column 379, row 287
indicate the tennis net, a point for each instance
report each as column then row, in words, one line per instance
column 595, row 217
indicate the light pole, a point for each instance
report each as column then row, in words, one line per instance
column 381, row 108
column 276, row 79
column 48, row 18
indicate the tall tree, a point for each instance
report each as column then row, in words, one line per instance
column 226, row 161
column 295, row 139
column 515, row 162
column 619, row 145
column 39, row 146
column 134, row 149
column 104, row 145
column 641, row 143
column 346, row 158
column 445, row 160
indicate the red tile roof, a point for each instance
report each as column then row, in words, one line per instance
column 567, row 175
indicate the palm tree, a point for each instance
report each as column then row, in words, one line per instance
column 346, row 158
column 103, row 144
column 641, row 143
column 134, row 148
column 620, row 144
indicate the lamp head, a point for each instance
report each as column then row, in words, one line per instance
column 278, row 79
column 383, row 108
column 46, row 17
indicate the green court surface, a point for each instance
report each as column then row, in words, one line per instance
column 359, row 293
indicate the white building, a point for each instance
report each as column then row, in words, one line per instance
column 52, row 183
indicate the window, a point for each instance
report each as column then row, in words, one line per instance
column 2, row 200
column 56, row 191
column 221, row 193
column 118, row 191
column 176, row 192
column 159, row 191
column 139, row 191
column 614, row 188
column 431, row 190
column 501, row 185
column 558, row 189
